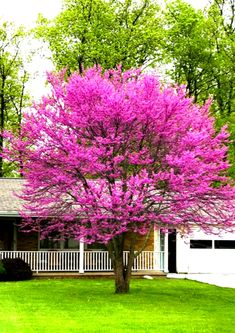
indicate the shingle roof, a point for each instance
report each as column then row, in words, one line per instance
column 10, row 204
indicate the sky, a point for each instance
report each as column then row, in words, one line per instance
column 25, row 12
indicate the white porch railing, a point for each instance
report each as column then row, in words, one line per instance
column 93, row 261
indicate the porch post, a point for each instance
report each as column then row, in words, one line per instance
column 14, row 237
column 81, row 256
column 156, row 250
column 166, row 253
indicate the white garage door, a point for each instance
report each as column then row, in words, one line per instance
column 207, row 254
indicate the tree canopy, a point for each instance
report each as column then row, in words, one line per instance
column 199, row 48
column 106, row 33
column 107, row 154
column 13, row 77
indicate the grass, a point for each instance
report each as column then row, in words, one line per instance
column 153, row 306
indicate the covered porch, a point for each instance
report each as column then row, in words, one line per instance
column 66, row 256
column 74, row 256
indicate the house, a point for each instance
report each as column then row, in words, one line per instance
column 62, row 256
column 197, row 253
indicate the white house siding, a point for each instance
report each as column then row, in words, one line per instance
column 205, row 260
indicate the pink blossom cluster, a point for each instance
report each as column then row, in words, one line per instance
column 107, row 153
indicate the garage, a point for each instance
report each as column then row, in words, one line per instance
column 203, row 253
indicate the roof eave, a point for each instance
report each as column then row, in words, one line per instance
column 9, row 214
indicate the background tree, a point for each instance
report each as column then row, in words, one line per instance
column 189, row 49
column 222, row 32
column 199, row 48
column 106, row 33
column 109, row 154
column 13, row 78
column 222, row 17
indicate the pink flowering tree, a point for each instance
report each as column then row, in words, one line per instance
column 110, row 154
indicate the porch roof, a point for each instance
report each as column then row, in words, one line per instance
column 10, row 204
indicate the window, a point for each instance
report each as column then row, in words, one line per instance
column 225, row 244
column 50, row 244
column 71, row 244
column 162, row 241
column 96, row 246
column 68, row 244
column 209, row 244
column 200, row 244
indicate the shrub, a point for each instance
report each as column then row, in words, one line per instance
column 2, row 271
column 15, row 270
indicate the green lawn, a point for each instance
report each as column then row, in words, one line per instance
column 156, row 306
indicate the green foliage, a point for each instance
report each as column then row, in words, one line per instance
column 14, row 270
column 187, row 47
column 221, row 16
column 108, row 33
column 200, row 49
column 13, row 78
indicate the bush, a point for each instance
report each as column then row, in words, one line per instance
column 14, row 270
column 2, row 271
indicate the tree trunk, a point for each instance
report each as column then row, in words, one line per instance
column 122, row 271
column 122, row 276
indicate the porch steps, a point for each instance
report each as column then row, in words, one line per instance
column 92, row 275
